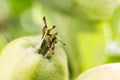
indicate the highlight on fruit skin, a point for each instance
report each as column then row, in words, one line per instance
column 104, row 72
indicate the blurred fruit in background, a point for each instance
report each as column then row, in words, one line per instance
column 103, row 72
column 90, row 9
column 98, row 9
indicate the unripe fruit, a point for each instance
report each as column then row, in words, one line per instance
column 22, row 59
column 98, row 9
column 104, row 72
column 90, row 9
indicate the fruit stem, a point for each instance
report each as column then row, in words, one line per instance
column 48, row 40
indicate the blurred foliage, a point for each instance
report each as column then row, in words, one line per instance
column 17, row 7
column 88, row 42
